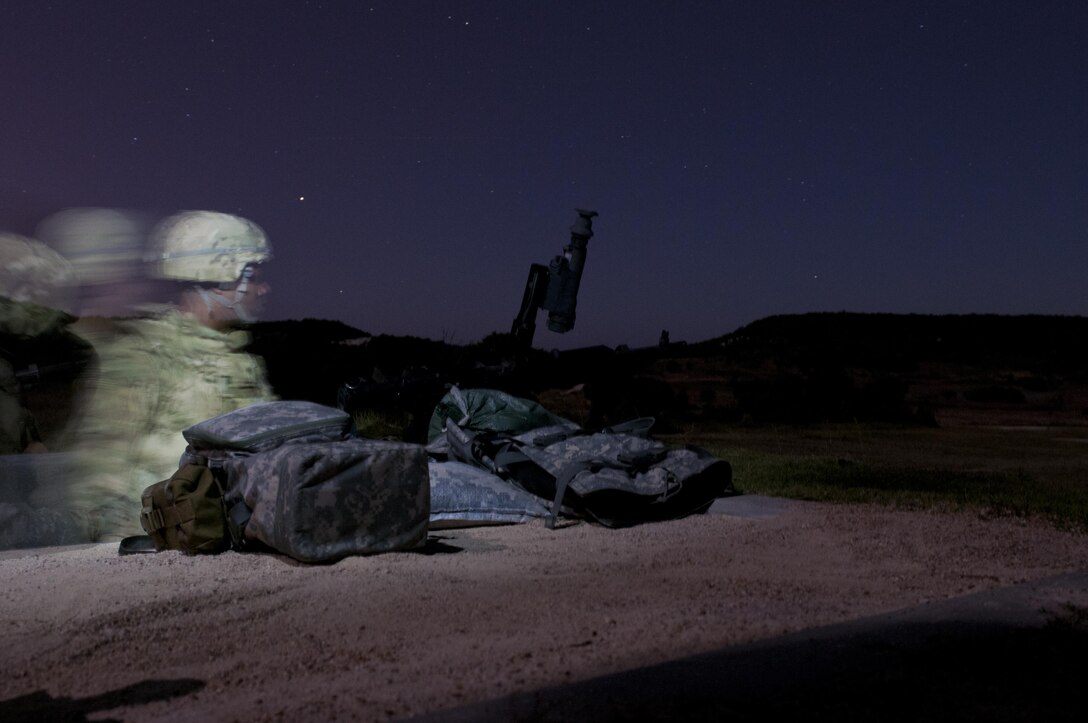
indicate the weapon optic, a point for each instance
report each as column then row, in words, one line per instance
column 554, row 288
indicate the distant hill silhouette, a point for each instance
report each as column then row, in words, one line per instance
column 890, row 341
column 804, row 368
column 904, row 368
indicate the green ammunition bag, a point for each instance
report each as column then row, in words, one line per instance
column 186, row 512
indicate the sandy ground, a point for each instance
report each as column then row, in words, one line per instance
column 481, row 614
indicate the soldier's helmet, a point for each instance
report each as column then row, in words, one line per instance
column 104, row 245
column 37, row 286
column 206, row 246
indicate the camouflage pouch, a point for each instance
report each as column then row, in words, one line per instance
column 186, row 512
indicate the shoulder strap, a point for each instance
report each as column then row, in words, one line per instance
column 561, row 484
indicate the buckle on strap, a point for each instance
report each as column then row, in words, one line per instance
column 237, row 518
column 153, row 517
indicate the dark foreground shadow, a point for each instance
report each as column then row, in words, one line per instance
column 453, row 541
column 437, row 545
column 41, row 706
column 912, row 667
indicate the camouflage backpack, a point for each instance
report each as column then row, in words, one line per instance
column 296, row 480
column 188, row 511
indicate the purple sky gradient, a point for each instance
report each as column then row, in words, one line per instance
column 409, row 160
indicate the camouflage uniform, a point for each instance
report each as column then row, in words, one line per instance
column 105, row 247
column 35, row 286
column 156, row 375
column 17, row 428
column 44, row 347
column 165, row 369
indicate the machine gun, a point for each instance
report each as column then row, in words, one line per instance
column 554, row 287
column 409, row 392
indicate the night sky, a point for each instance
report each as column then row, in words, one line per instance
column 409, row 160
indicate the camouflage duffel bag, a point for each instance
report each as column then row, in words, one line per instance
column 321, row 501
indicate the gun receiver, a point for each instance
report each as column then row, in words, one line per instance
column 554, row 288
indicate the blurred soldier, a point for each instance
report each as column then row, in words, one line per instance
column 18, row 430
column 171, row 366
column 105, row 247
column 35, row 286
column 35, row 290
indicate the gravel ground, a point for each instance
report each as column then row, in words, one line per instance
column 479, row 615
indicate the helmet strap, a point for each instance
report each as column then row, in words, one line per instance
column 243, row 282
column 214, row 300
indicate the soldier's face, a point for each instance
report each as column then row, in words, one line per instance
column 244, row 305
column 250, row 304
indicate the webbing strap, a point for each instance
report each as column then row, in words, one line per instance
column 509, row 454
column 561, row 483
column 571, row 471
column 236, row 523
column 641, row 461
column 178, row 513
column 547, row 440
column 160, row 518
